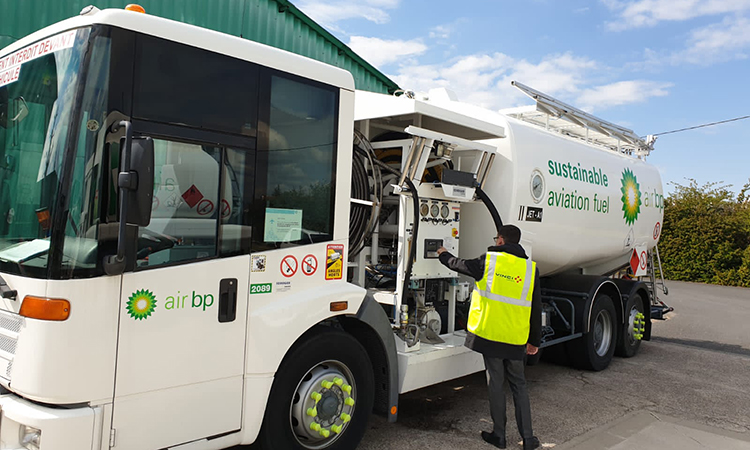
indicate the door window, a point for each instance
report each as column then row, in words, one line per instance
column 185, row 212
column 296, row 169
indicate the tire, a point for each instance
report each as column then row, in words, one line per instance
column 628, row 341
column 594, row 350
column 327, row 356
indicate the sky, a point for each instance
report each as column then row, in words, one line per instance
column 650, row 65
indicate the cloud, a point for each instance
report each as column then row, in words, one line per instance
column 441, row 32
column 328, row 13
column 380, row 52
column 647, row 13
column 621, row 93
column 717, row 42
column 484, row 80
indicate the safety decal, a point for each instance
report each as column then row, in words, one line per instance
column 309, row 265
column 657, row 230
column 205, row 207
column 639, row 261
column 334, row 261
column 226, row 209
column 258, row 263
column 289, row 266
column 193, row 196
column 10, row 66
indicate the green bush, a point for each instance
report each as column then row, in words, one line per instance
column 706, row 235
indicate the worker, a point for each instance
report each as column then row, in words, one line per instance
column 504, row 325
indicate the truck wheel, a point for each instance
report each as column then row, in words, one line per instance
column 594, row 350
column 322, row 396
column 629, row 339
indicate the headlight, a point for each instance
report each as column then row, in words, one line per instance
column 29, row 437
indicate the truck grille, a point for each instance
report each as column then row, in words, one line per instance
column 10, row 326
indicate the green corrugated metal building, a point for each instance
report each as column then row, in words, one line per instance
column 273, row 22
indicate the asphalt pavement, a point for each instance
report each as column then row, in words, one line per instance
column 688, row 388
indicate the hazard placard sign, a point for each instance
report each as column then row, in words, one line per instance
column 639, row 261
column 334, row 261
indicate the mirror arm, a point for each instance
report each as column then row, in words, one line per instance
column 115, row 264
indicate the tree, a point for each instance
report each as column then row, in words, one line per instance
column 706, row 234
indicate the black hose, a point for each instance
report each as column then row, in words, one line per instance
column 358, row 215
column 491, row 207
column 415, row 230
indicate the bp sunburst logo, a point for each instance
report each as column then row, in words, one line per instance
column 141, row 304
column 631, row 197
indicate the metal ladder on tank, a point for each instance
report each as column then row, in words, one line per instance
column 655, row 282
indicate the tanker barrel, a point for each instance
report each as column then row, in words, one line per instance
column 487, row 170
column 491, row 207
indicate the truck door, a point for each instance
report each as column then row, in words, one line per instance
column 181, row 346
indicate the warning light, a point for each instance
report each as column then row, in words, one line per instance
column 135, row 8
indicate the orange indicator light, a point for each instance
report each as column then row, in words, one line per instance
column 42, row 308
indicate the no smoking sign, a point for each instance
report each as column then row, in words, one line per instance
column 289, row 266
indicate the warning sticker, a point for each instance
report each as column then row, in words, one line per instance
column 205, row 207
column 289, row 266
column 10, row 66
column 193, row 196
column 258, row 263
column 226, row 209
column 334, row 261
column 309, row 265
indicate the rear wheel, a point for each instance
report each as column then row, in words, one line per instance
column 594, row 350
column 629, row 339
column 322, row 395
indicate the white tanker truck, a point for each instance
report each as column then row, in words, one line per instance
column 207, row 242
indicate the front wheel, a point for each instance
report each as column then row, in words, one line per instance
column 629, row 340
column 322, row 396
column 594, row 350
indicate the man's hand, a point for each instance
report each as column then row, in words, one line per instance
column 531, row 350
column 441, row 250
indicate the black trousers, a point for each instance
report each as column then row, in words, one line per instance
column 497, row 370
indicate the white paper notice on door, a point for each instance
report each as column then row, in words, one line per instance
column 283, row 225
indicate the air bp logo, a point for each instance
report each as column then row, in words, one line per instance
column 141, row 304
column 631, row 197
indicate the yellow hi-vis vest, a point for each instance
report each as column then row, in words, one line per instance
column 501, row 301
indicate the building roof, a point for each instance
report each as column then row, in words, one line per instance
column 277, row 23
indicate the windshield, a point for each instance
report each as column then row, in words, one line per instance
column 39, row 87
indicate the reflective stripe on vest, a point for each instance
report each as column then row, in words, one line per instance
column 501, row 302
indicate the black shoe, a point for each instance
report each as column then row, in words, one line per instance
column 492, row 438
column 531, row 444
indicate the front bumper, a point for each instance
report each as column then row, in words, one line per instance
column 62, row 429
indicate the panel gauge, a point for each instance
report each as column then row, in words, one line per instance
column 445, row 211
column 434, row 210
column 424, row 209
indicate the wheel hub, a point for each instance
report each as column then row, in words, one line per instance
column 323, row 405
column 602, row 333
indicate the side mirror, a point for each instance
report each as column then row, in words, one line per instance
column 142, row 168
column 136, row 183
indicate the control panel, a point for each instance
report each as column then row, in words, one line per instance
column 438, row 227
